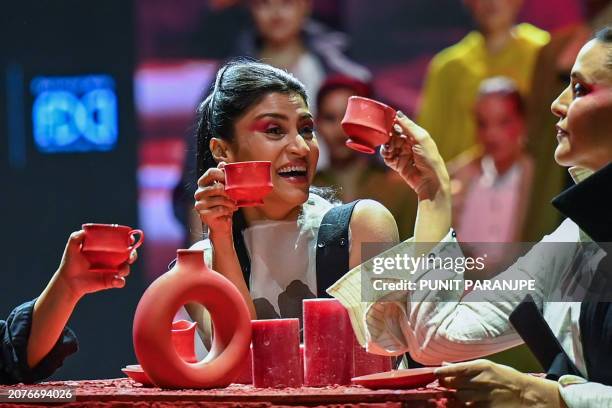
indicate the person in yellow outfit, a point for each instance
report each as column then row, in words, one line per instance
column 498, row 48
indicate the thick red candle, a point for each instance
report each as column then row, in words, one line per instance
column 328, row 343
column 276, row 353
column 246, row 376
column 367, row 363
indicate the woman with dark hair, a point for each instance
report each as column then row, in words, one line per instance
column 297, row 243
column 571, row 270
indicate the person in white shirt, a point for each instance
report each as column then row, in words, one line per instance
column 437, row 326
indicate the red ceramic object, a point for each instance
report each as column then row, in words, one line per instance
column 183, row 338
column 136, row 373
column 409, row 378
column 248, row 183
column 190, row 280
column 107, row 246
column 368, row 123
column 366, row 363
column 276, row 353
column 328, row 343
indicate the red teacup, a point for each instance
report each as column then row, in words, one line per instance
column 107, row 246
column 248, row 182
column 368, row 124
column 183, row 337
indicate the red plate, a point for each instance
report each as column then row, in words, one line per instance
column 136, row 373
column 408, row 378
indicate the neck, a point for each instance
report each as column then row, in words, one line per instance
column 282, row 54
column 271, row 212
column 496, row 40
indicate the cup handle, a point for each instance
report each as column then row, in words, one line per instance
column 136, row 244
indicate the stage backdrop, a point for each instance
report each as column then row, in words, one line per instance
column 68, row 156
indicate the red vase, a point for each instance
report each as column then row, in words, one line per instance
column 191, row 281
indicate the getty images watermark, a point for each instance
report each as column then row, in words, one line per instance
column 410, row 265
column 487, row 272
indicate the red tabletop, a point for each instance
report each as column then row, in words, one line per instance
column 127, row 393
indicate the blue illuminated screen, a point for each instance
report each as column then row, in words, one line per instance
column 74, row 113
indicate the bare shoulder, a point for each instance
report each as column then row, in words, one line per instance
column 373, row 222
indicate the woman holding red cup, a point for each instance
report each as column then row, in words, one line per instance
column 259, row 113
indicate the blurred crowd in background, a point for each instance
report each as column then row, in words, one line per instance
column 479, row 75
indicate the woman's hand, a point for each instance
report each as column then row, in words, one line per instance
column 213, row 205
column 414, row 155
column 485, row 384
column 72, row 280
column 75, row 276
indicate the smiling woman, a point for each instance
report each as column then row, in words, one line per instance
column 259, row 113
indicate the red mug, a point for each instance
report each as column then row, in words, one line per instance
column 107, row 246
column 368, row 123
column 248, row 182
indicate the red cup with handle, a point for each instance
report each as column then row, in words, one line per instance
column 108, row 246
column 248, row 182
column 368, row 123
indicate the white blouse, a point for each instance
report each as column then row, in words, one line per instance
column 283, row 260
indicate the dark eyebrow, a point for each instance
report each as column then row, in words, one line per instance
column 578, row 76
column 305, row 115
column 272, row 115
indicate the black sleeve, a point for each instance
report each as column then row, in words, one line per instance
column 14, row 334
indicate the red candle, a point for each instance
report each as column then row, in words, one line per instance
column 328, row 343
column 302, row 361
column 276, row 353
column 246, row 376
column 367, row 363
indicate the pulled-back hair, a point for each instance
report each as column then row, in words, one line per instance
column 240, row 84
column 605, row 36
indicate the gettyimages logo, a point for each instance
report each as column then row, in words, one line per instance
column 412, row 264
column 486, row 272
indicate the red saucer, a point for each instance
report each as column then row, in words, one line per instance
column 407, row 378
column 136, row 373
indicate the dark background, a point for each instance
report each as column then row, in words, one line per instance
column 45, row 197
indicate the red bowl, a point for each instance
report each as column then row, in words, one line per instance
column 368, row 123
column 249, row 182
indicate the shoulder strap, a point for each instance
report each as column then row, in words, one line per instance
column 333, row 246
column 239, row 224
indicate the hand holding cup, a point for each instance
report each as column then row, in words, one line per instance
column 76, row 272
column 414, row 155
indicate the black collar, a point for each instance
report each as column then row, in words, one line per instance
column 589, row 204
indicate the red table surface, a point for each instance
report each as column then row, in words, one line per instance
column 127, row 393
